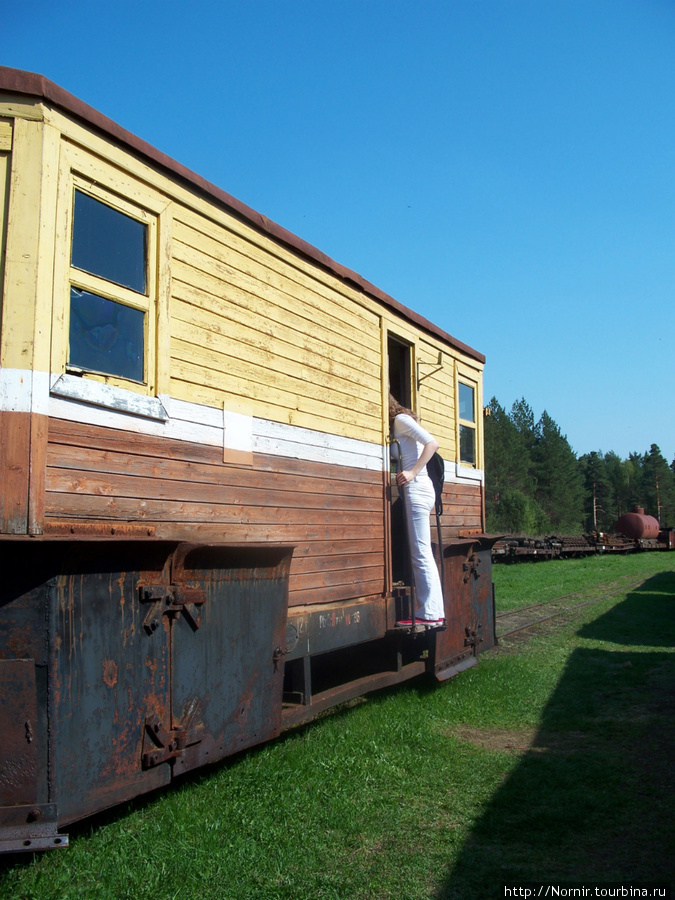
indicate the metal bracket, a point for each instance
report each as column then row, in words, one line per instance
column 471, row 567
column 164, row 744
column 437, row 368
column 171, row 600
column 29, row 828
column 472, row 638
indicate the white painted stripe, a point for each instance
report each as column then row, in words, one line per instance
column 109, row 397
column 105, row 406
column 466, row 473
column 316, row 453
column 24, row 391
column 237, row 431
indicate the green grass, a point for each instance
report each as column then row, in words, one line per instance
column 531, row 582
column 550, row 760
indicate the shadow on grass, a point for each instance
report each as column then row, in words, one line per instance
column 591, row 798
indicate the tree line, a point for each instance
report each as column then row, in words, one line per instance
column 536, row 485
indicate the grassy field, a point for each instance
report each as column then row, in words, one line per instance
column 552, row 760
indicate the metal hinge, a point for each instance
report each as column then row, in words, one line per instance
column 472, row 637
column 471, row 567
column 163, row 743
column 171, row 600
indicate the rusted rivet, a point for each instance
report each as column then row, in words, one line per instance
column 34, row 815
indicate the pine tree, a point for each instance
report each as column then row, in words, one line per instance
column 505, row 453
column 617, row 473
column 634, row 467
column 599, row 494
column 523, row 418
column 509, row 489
column 560, row 490
column 658, row 489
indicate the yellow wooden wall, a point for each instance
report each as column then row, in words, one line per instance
column 5, row 158
column 247, row 323
column 249, row 317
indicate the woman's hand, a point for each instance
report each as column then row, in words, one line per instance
column 408, row 475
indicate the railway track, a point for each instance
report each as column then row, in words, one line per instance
column 514, row 620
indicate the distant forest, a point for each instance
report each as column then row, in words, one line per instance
column 536, row 485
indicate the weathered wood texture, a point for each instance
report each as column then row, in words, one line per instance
column 247, row 322
column 5, row 159
column 333, row 514
column 14, row 471
column 461, row 510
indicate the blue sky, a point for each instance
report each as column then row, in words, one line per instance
column 506, row 168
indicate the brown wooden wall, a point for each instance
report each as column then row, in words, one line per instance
column 332, row 514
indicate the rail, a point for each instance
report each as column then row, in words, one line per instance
column 515, row 614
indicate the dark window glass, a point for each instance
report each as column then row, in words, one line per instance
column 466, row 403
column 105, row 336
column 467, row 444
column 109, row 243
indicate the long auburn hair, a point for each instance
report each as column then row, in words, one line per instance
column 397, row 409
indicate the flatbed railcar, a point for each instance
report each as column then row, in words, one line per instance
column 196, row 520
column 635, row 532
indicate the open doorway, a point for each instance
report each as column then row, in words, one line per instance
column 399, row 354
column 400, row 366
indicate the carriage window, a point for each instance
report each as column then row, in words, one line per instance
column 109, row 243
column 109, row 289
column 105, row 336
column 467, row 424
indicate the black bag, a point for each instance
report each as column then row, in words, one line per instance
column 436, row 471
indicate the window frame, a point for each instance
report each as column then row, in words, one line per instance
column 471, row 379
column 80, row 171
column 110, row 290
column 467, row 423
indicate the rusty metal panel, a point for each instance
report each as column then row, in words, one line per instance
column 469, row 608
column 451, row 649
column 227, row 660
column 19, row 730
column 108, row 673
column 329, row 627
column 23, row 598
column 482, row 601
column 24, row 593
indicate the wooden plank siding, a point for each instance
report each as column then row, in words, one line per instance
column 462, row 510
column 333, row 514
column 259, row 328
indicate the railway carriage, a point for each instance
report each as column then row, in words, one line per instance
column 196, row 491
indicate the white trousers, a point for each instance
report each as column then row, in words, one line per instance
column 419, row 500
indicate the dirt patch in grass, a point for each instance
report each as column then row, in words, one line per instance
column 524, row 740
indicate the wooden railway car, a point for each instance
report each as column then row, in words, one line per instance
column 195, row 521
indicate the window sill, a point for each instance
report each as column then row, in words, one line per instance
column 468, row 473
column 72, row 387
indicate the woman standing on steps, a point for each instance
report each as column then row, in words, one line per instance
column 417, row 448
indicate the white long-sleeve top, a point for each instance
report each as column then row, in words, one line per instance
column 412, row 438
